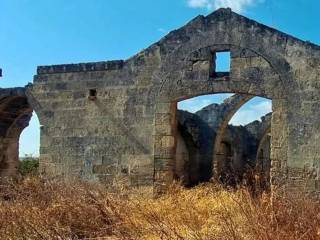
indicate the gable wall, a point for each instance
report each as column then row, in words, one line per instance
column 129, row 130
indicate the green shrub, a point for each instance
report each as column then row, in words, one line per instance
column 28, row 166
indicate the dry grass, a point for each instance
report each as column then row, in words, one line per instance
column 49, row 209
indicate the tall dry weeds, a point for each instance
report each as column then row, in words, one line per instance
column 50, row 209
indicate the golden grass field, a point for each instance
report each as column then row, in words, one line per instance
column 36, row 208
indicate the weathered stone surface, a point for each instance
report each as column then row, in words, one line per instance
column 80, row 130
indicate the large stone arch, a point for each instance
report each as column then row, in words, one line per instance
column 251, row 73
column 15, row 114
column 165, row 129
column 16, row 109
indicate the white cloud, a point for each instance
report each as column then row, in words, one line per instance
column 251, row 112
column 192, row 105
column 264, row 106
column 162, row 30
column 236, row 5
column 197, row 103
column 200, row 4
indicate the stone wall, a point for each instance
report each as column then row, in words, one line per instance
column 264, row 62
column 118, row 118
column 97, row 119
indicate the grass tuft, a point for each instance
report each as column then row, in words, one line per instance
column 36, row 208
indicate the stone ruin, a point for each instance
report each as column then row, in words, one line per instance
column 119, row 118
column 242, row 150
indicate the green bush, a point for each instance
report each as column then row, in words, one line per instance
column 28, row 166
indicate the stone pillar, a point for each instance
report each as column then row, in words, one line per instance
column 164, row 145
column 303, row 166
column 279, row 145
column 10, row 157
column 263, row 163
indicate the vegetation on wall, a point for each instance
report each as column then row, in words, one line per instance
column 28, row 166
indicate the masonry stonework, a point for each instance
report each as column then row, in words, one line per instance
column 118, row 118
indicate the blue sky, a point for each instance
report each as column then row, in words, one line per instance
column 43, row 32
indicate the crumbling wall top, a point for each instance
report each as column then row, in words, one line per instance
column 81, row 67
column 12, row 92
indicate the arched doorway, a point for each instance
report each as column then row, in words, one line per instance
column 224, row 135
column 195, row 74
column 15, row 115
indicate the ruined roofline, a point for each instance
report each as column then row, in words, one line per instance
column 81, row 67
column 229, row 13
column 118, row 64
column 15, row 91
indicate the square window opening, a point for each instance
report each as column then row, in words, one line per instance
column 222, row 61
column 92, row 94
